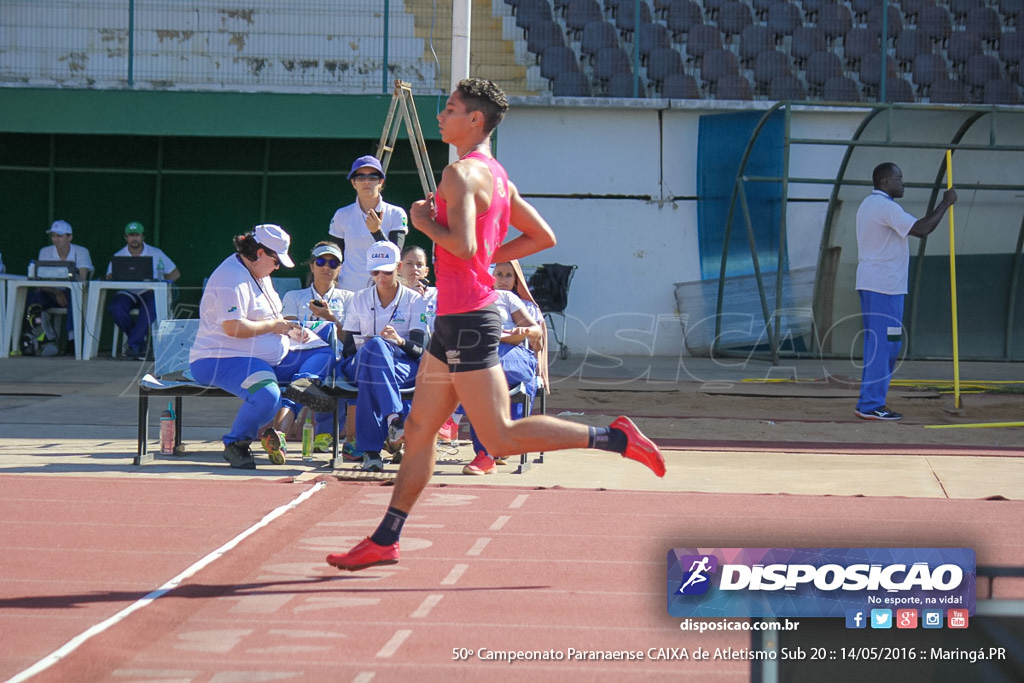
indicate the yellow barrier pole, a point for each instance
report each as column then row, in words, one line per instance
column 952, row 286
column 976, row 425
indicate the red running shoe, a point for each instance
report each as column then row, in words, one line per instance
column 365, row 554
column 640, row 448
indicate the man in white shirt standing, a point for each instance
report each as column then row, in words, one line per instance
column 883, row 260
column 121, row 304
column 60, row 249
column 358, row 226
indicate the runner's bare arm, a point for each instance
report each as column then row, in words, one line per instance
column 458, row 187
column 536, row 235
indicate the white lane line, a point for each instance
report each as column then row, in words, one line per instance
column 500, row 522
column 454, row 575
column 73, row 644
column 396, row 641
column 479, row 546
column 364, row 677
column 518, row 501
column 428, row 604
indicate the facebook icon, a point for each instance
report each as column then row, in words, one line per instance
column 855, row 618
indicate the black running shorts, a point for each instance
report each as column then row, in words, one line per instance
column 467, row 341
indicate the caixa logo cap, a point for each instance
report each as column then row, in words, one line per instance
column 382, row 256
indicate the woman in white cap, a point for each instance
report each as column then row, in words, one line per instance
column 383, row 347
column 356, row 227
column 244, row 342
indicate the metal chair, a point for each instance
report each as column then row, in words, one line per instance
column 550, row 287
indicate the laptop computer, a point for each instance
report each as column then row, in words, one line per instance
column 56, row 270
column 131, row 268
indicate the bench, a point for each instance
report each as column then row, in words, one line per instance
column 172, row 342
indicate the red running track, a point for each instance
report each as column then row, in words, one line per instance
column 483, row 568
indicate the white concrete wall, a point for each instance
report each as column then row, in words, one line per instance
column 619, row 187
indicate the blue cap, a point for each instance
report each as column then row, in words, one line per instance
column 363, row 162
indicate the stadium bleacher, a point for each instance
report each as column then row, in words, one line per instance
column 966, row 51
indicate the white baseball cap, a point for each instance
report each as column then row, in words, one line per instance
column 274, row 237
column 383, row 256
column 60, row 228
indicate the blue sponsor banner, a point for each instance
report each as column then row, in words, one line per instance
column 817, row 582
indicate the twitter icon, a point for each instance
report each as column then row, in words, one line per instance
column 881, row 618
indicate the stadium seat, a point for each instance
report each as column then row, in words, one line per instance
column 960, row 8
column 610, row 61
column 734, row 87
column 835, row 20
column 822, row 66
column 717, row 65
column 1010, row 9
column 929, row 68
column 712, row 7
column 542, row 35
column 579, row 13
column 701, row 39
column 530, row 12
column 841, row 89
column 754, row 40
column 962, row 46
column 762, row 7
column 859, row 42
column 979, row 70
column 985, row 23
column 912, row 8
column 662, row 62
column 1011, row 48
column 733, row 17
column 786, row 88
column 908, row 46
column 812, row 8
column 860, row 8
column 947, row 90
column 682, row 16
column 621, row 85
column 596, row 35
column 570, row 84
column 768, row 66
column 806, row 41
column 651, row 36
column 871, row 72
column 895, row 26
column 558, row 59
column 1001, row 91
column 783, row 18
column 625, row 20
column 898, row 90
column 934, row 24
column 680, row 86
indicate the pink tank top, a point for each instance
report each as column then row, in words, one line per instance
column 467, row 285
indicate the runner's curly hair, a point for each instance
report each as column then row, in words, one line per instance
column 485, row 97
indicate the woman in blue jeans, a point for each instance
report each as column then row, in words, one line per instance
column 243, row 343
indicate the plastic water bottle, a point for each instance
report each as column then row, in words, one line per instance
column 160, row 270
column 167, row 431
column 32, row 269
column 307, row 440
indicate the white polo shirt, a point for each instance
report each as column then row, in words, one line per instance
column 296, row 305
column 366, row 316
column 78, row 254
column 154, row 253
column 231, row 293
column 349, row 224
column 883, row 245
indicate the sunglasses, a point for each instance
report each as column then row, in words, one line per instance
column 273, row 257
column 375, row 273
column 329, row 262
column 367, row 177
